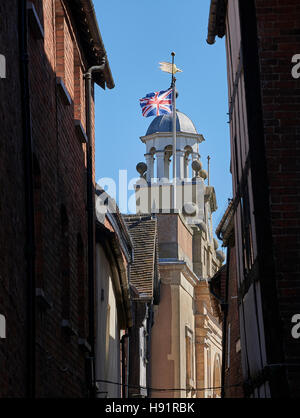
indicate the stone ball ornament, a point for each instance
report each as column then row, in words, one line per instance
column 141, row 168
column 196, row 166
column 203, row 174
column 216, row 244
column 190, row 209
column 220, row 256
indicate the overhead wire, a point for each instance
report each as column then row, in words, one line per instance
column 167, row 389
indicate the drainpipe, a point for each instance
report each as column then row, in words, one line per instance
column 29, row 200
column 150, row 323
column 124, row 366
column 91, row 222
column 225, row 310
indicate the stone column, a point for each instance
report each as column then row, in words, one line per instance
column 150, row 166
column 197, row 251
column 167, row 166
column 186, row 166
column 180, row 164
column 202, row 301
column 160, row 155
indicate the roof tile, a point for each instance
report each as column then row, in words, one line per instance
column 143, row 231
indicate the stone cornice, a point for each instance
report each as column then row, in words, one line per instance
column 179, row 265
column 146, row 138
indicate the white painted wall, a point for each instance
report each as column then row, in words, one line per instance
column 107, row 330
column 143, row 353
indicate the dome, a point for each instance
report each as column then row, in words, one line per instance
column 164, row 123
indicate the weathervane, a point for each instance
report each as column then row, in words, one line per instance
column 167, row 67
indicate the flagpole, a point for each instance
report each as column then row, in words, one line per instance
column 174, row 131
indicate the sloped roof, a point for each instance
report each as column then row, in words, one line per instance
column 217, row 20
column 226, row 226
column 143, row 231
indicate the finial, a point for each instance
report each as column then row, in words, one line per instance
column 208, row 168
column 173, row 82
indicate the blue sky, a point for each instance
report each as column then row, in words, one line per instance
column 137, row 36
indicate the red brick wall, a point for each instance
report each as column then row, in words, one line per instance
column 12, row 209
column 61, row 161
column 279, row 39
column 79, row 90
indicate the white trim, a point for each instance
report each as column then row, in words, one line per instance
column 146, row 138
column 2, row 66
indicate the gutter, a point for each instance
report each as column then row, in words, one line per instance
column 117, row 228
column 89, row 10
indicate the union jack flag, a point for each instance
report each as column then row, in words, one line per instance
column 158, row 103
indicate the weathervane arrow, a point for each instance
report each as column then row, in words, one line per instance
column 167, row 67
column 170, row 68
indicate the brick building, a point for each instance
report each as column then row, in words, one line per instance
column 262, row 40
column 224, row 286
column 47, row 154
